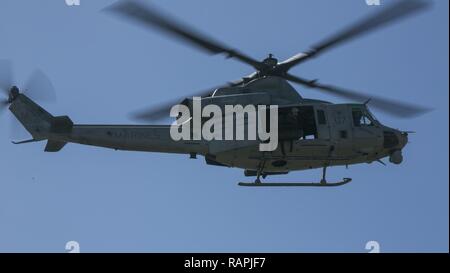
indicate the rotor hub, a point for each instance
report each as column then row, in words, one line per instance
column 13, row 94
column 270, row 61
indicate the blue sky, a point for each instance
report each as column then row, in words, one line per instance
column 106, row 200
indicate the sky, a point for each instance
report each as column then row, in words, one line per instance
column 115, row 201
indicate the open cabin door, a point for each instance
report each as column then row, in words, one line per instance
column 296, row 122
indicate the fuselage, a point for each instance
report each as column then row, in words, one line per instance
column 311, row 133
column 336, row 134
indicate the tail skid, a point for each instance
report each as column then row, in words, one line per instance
column 25, row 141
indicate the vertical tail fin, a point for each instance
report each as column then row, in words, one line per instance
column 39, row 123
column 33, row 117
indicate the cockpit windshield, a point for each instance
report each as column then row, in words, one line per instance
column 371, row 115
column 362, row 117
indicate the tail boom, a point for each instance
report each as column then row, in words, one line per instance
column 61, row 130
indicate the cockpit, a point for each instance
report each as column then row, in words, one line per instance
column 362, row 117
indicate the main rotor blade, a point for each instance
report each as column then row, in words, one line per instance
column 395, row 108
column 163, row 110
column 146, row 15
column 39, row 87
column 400, row 10
column 6, row 76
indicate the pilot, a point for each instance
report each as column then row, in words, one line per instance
column 357, row 116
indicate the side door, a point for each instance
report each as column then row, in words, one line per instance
column 322, row 121
column 340, row 129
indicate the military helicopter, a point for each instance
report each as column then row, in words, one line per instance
column 321, row 134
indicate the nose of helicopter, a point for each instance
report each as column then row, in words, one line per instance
column 396, row 155
column 403, row 139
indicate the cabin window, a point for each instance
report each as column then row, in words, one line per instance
column 361, row 119
column 321, row 117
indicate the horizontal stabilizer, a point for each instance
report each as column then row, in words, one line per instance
column 54, row 146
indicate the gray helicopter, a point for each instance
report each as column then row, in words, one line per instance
column 311, row 133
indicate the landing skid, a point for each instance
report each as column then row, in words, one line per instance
column 289, row 184
column 322, row 183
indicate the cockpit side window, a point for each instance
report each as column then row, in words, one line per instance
column 361, row 119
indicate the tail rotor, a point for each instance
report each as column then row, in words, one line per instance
column 37, row 87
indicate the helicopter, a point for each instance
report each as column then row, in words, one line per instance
column 311, row 133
